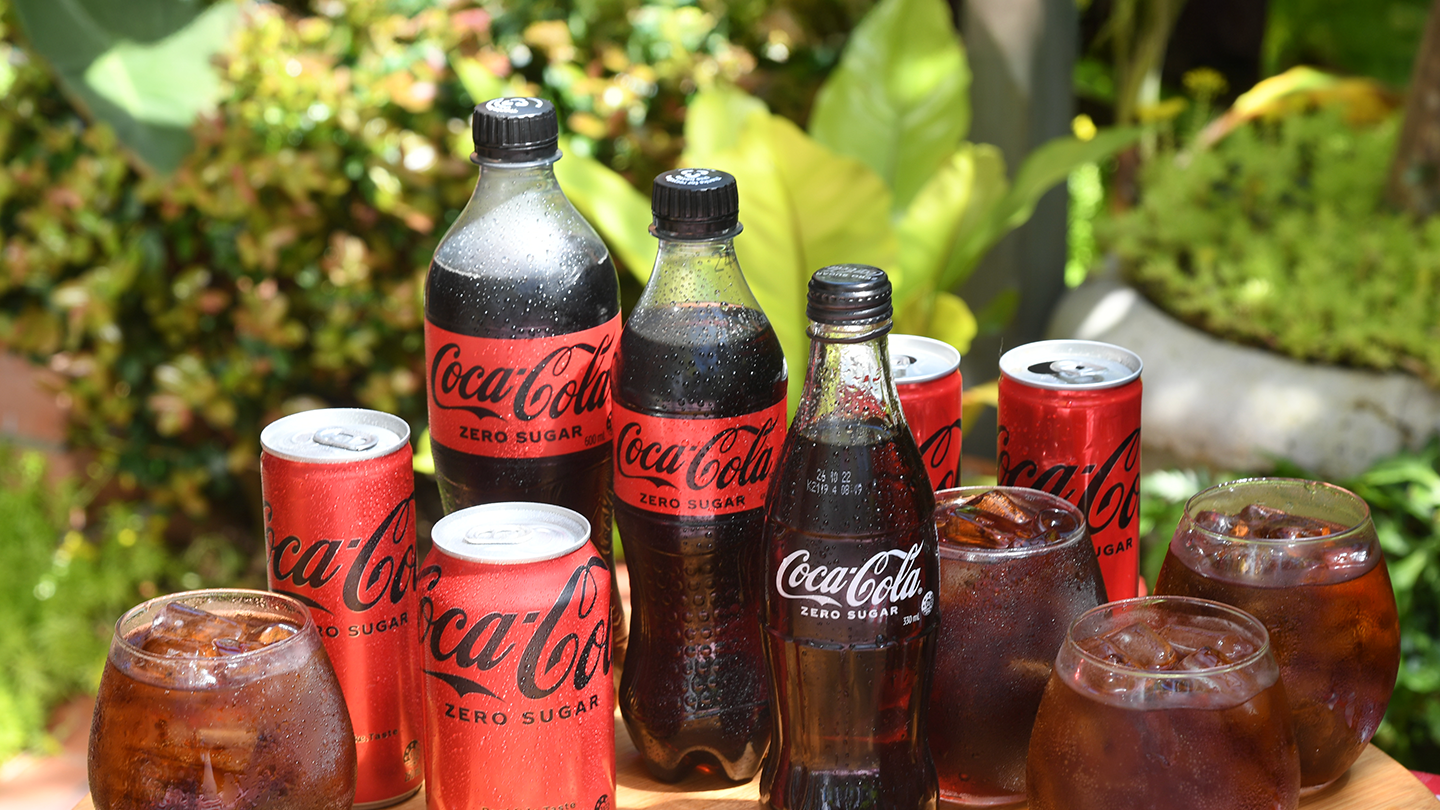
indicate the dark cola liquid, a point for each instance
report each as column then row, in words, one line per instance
column 850, row 679
column 562, row 283
column 693, row 690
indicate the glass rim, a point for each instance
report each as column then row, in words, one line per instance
column 1357, row 527
column 164, row 599
column 1080, row 532
column 1249, row 621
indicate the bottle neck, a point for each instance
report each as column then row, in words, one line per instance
column 502, row 179
column 697, row 271
column 849, row 395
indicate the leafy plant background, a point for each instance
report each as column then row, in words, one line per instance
column 192, row 283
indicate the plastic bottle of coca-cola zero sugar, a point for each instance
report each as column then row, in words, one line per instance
column 522, row 314
column 850, row 575
column 699, row 415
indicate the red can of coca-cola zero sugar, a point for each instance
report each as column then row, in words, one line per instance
column 339, row 499
column 927, row 376
column 1069, row 424
column 519, row 693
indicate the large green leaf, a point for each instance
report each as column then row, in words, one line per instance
column 619, row 213
column 803, row 207
column 142, row 66
column 1042, row 170
column 958, row 195
column 898, row 99
column 715, row 118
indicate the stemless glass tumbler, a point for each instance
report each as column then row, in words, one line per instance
column 220, row 698
column 1164, row 701
column 1302, row 556
column 1016, row 568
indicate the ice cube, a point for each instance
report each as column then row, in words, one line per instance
column 1203, row 658
column 1139, row 646
column 1259, row 513
column 998, row 504
column 234, row 646
column 1221, row 523
column 183, row 630
column 960, row 525
column 1191, row 637
column 270, row 632
column 1101, row 649
column 1058, row 520
column 1294, row 527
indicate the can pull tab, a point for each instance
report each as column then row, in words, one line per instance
column 1071, row 371
column 900, row 364
column 345, row 438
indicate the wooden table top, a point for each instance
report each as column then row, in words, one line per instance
column 1375, row 782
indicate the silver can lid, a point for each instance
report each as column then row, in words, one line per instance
column 916, row 359
column 1071, row 365
column 335, row 435
column 512, row 532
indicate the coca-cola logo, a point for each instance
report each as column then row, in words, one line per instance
column 872, row 584
column 941, row 452
column 553, row 655
column 548, row 388
column 739, row 455
column 384, row 566
column 1111, row 496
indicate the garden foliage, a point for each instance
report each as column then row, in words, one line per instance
column 1278, row 236
column 66, row 584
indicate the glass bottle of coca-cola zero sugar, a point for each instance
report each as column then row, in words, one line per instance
column 699, row 415
column 850, row 574
column 522, row 313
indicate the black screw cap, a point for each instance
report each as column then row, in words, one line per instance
column 515, row 130
column 695, row 204
column 849, row 294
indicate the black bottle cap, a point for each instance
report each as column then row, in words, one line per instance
column 695, row 204
column 849, row 294
column 515, row 130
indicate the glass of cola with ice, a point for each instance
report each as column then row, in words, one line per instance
column 1301, row 556
column 1016, row 568
column 1164, row 701
column 220, row 699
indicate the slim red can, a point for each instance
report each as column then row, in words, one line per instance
column 339, row 498
column 519, row 694
column 927, row 376
column 1069, row 424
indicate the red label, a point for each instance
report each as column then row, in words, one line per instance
column 519, row 693
column 696, row 467
column 520, row 398
column 352, row 561
column 932, row 410
column 1085, row 447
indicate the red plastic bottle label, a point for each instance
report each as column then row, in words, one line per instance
column 520, row 398
column 696, row 467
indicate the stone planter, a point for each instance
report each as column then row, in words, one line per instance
column 1235, row 408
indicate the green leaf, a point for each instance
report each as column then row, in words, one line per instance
column 899, row 98
column 480, row 84
column 953, row 322
column 170, row 82
column 619, row 212
column 715, row 118
column 803, row 207
column 1041, row 171
column 143, row 67
column 960, row 194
